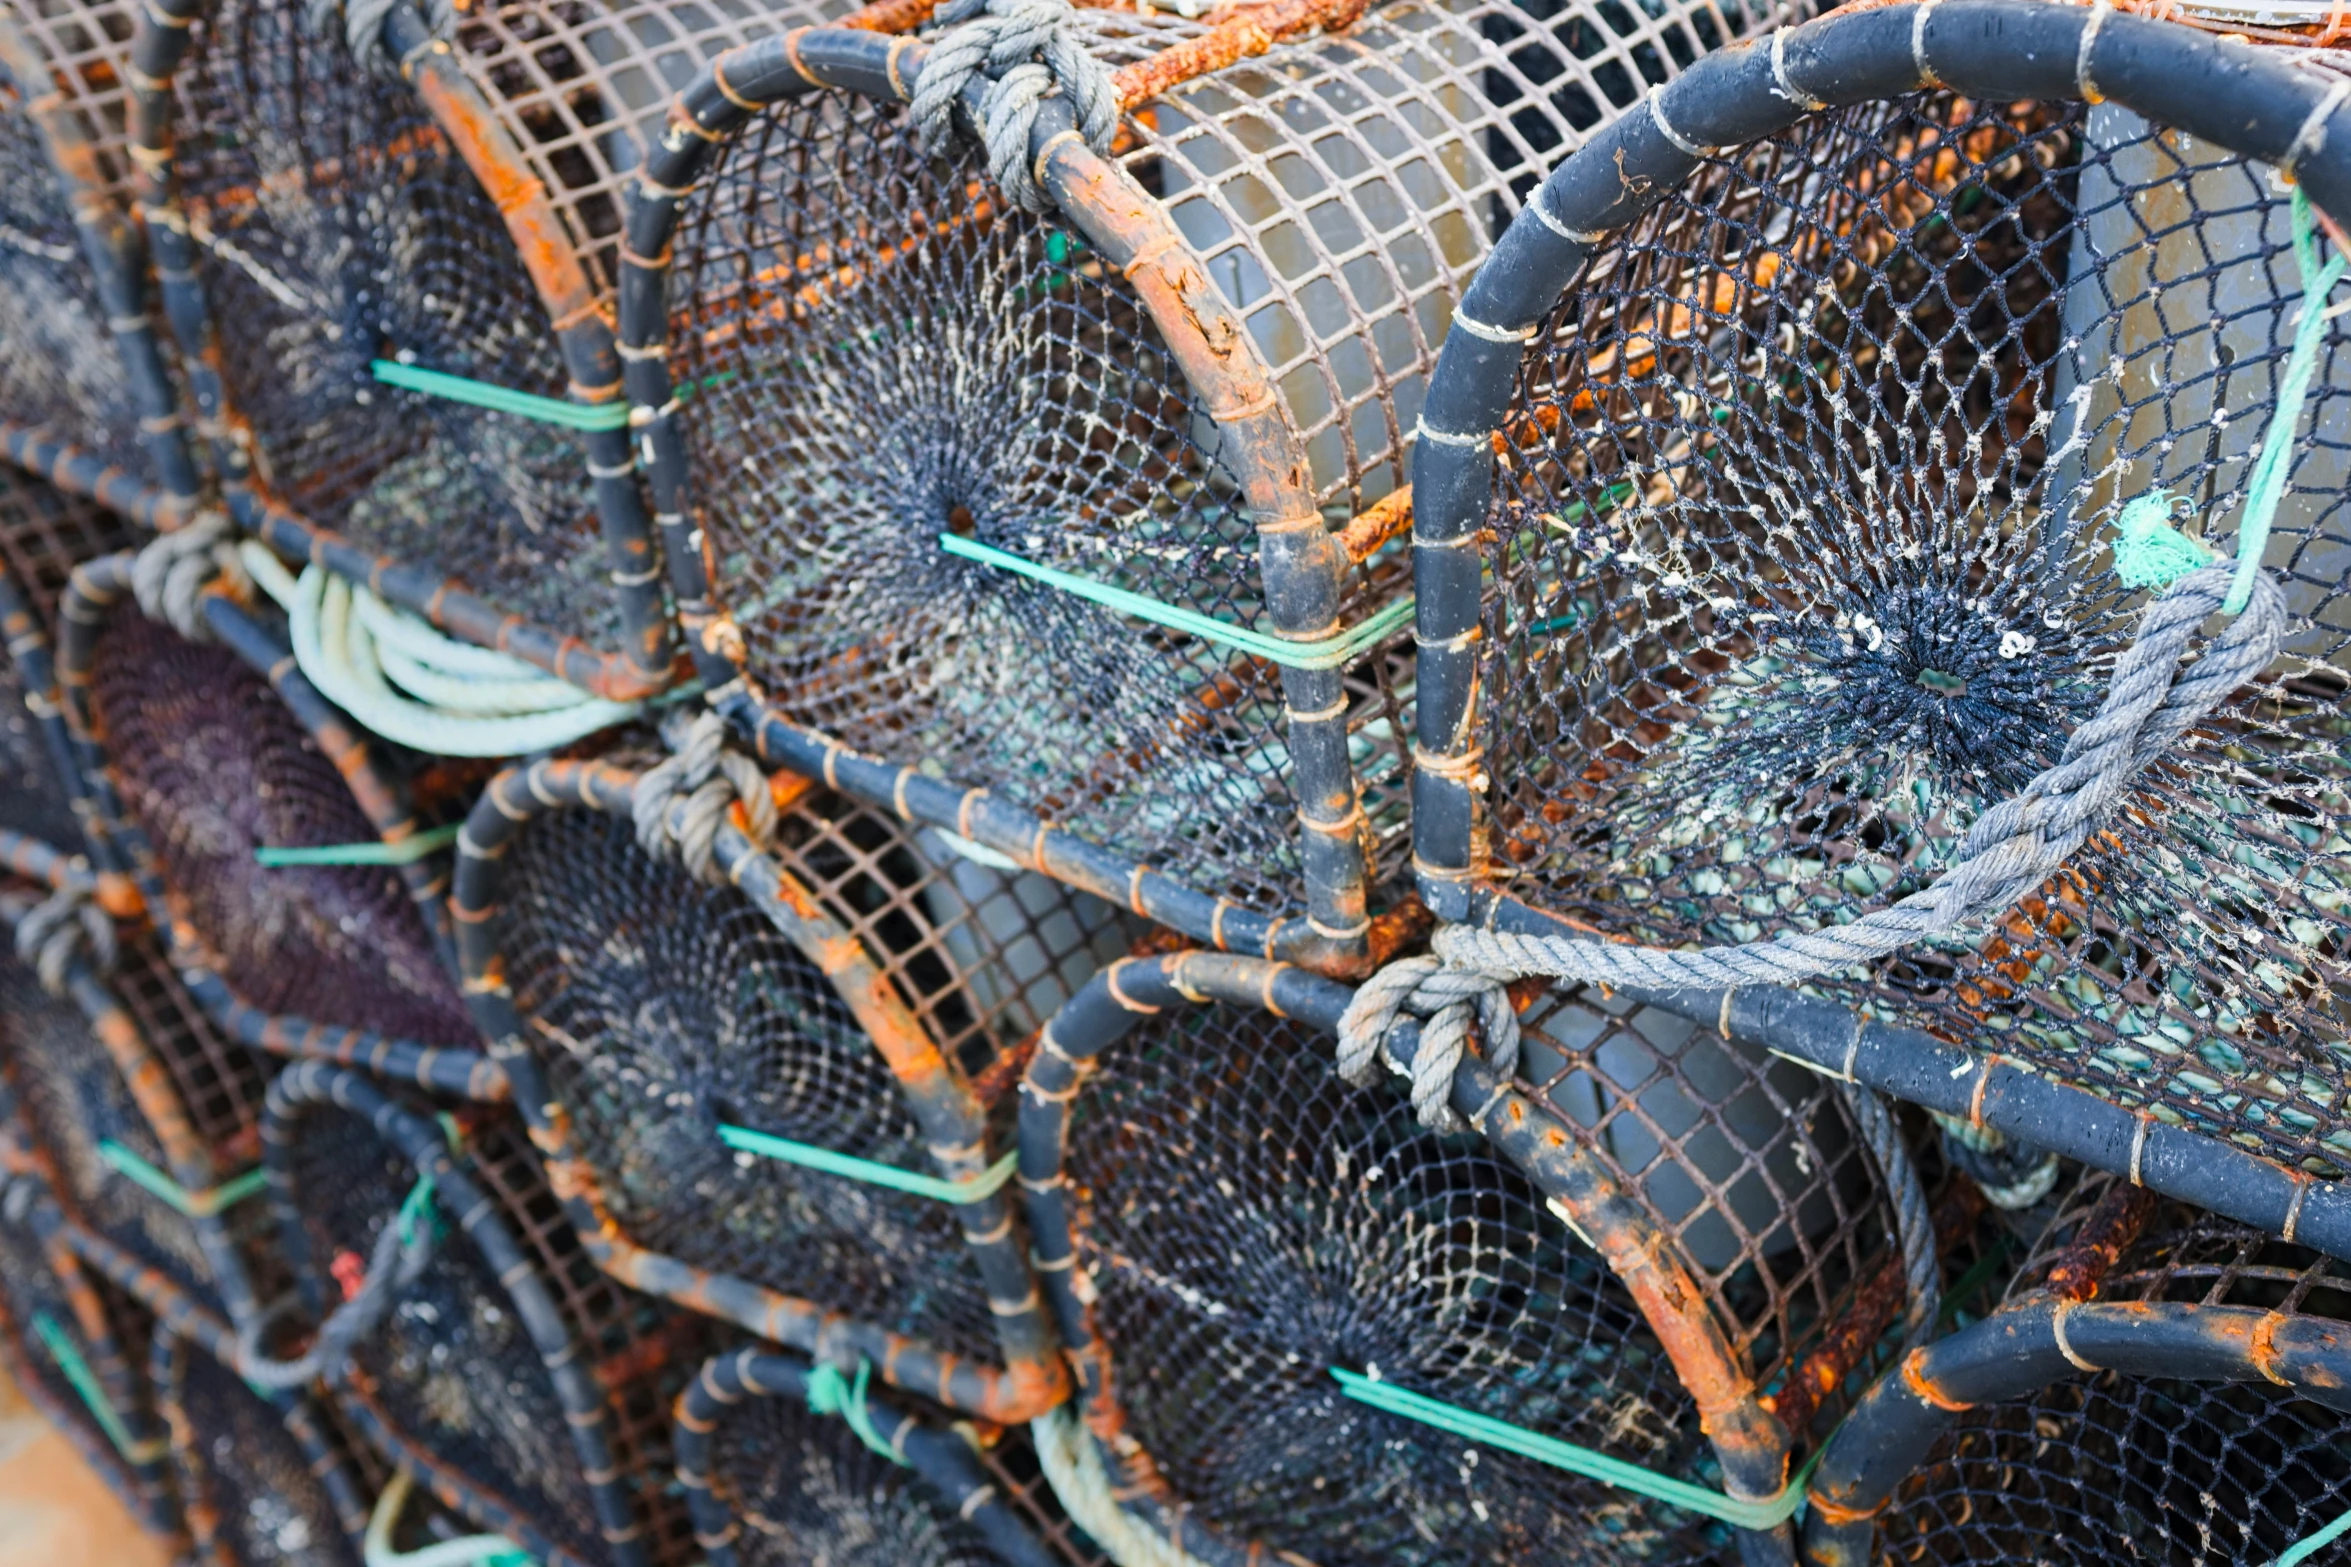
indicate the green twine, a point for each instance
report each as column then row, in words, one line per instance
column 1585, row 1461
column 418, row 1204
column 406, row 852
column 1331, row 652
column 830, row 1393
column 472, row 1550
column 2310, row 1545
column 2152, row 553
column 986, row 1183
column 195, row 1205
column 502, row 399
column 86, row 1386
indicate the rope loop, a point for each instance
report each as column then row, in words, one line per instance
column 710, row 778
column 1447, row 1002
column 66, row 924
column 830, row 1393
column 362, row 27
column 171, row 571
column 2013, row 1176
column 1027, row 50
column 403, row 1248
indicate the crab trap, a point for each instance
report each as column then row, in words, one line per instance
column 523, row 1387
column 782, row 1099
column 1800, row 500
column 1085, row 508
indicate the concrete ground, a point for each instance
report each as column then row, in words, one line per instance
column 54, row 1512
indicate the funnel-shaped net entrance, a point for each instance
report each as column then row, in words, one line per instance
column 663, row 1008
column 1806, row 557
column 338, row 226
column 213, row 766
column 1247, row 1224
column 806, row 1494
column 254, row 1497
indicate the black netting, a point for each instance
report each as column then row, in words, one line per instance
column 1247, row 1224
column 213, row 766
column 33, row 796
column 266, row 1506
column 663, row 1008
column 338, row 226
column 807, row 1494
column 1804, row 559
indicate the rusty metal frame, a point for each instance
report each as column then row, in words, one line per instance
column 1032, row 1378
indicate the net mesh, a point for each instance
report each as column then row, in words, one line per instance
column 453, row 1369
column 1803, row 554
column 338, row 226
column 214, row 766
column 663, row 1007
column 1019, row 1478
column 1246, row 1224
column 233, row 1450
column 2101, row 1468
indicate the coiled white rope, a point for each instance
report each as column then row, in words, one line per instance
column 400, row 678
column 1073, row 1467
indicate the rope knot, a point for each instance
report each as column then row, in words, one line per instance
column 1027, row 50
column 362, row 27
column 709, row 778
column 1446, row 1002
column 66, row 923
column 171, row 571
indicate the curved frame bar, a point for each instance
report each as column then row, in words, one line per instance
column 1300, row 561
column 2029, row 1346
column 940, row 1459
column 1032, row 1379
column 1751, row 1443
column 310, row 1086
column 98, row 588
column 116, row 254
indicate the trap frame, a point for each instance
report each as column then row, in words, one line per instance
column 858, row 987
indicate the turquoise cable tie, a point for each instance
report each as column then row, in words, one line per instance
column 743, row 1140
column 830, row 1393
column 1332, row 652
column 90, row 1391
column 501, row 399
column 1585, row 1461
column 2310, row 1545
column 195, row 1205
column 406, row 852
column 418, row 1204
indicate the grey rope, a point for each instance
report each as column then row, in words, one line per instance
column 1027, row 49
column 1914, row 1224
column 53, row 931
column 2012, row 1176
column 363, row 27
column 1447, row 1001
column 710, row 779
column 393, row 1264
column 169, row 574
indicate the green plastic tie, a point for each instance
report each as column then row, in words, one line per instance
column 502, row 399
column 196, row 1205
column 406, row 852
column 2310, row 1545
column 743, row 1140
column 92, row 1393
column 830, row 1393
column 418, row 1204
column 1585, row 1461
column 1331, row 652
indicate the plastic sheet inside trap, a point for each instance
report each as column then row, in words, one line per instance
column 1804, row 557
column 664, row 1008
column 214, row 766
column 238, row 1462
column 1247, row 1223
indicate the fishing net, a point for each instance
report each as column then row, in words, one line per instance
column 2107, row 1467
column 337, row 226
column 879, row 350
column 1803, row 557
column 454, row 1377
column 1012, row 1468
column 46, row 532
column 212, row 765
column 663, row 1008
column 1247, row 1225
column 255, row 1497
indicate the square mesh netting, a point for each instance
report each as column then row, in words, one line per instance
column 252, row 1495
column 1803, row 553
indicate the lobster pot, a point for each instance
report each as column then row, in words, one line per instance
column 45, row 532
column 211, row 765
column 882, row 350
column 262, row 1485
column 1804, row 555
column 454, row 1385
column 1247, row 1225
column 661, row 1008
column 336, row 225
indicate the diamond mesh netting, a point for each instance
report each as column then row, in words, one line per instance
column 212, row 765
column 1247, row 1224
column 254, row 1497
column 338, row 226
column 1803, row 558
column 662, row 1007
